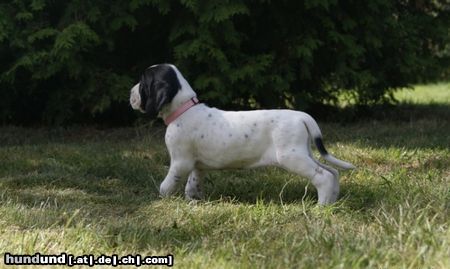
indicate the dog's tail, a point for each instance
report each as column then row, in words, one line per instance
column 314, row 132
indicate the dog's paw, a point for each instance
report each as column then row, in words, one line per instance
column 193, row 196
column 165, row 190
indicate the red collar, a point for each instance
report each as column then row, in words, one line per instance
column 183, row 108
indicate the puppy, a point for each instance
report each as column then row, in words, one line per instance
column 201, row 138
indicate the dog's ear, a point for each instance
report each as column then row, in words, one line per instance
column 145, row 85
column 165, row 92
column 158, row 86
column 145, row 91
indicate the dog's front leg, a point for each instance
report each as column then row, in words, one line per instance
column 177, row 172
column 193, row 190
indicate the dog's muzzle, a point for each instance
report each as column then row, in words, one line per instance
column 135, row 98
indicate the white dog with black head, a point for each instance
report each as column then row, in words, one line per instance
column 201, row 138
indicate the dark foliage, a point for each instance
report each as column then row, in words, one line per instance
column 75, row 61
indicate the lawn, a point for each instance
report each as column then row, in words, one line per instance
column 89, row 191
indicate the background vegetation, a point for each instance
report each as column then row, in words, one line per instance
column 84, row 191
column 75, row 61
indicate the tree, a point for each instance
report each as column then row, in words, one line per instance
column 72, row 61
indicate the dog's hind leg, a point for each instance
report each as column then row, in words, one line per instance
column 328, row 168
column 193, row 190
column 325, row 181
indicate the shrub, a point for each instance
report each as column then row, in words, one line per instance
column 74, row 61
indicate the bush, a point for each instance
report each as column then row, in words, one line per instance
column 75, row 61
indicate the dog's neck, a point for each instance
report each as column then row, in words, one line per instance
column 184, row 95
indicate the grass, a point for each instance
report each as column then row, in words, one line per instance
column 90, row 191
column 426, row 94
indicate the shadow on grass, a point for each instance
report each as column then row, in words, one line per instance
column 99, row 179
column 189, row 235
column 274, row 185
column 408, row 126
column 22, row 136
column 125, row 188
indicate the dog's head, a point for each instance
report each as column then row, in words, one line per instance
column 158, row 86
